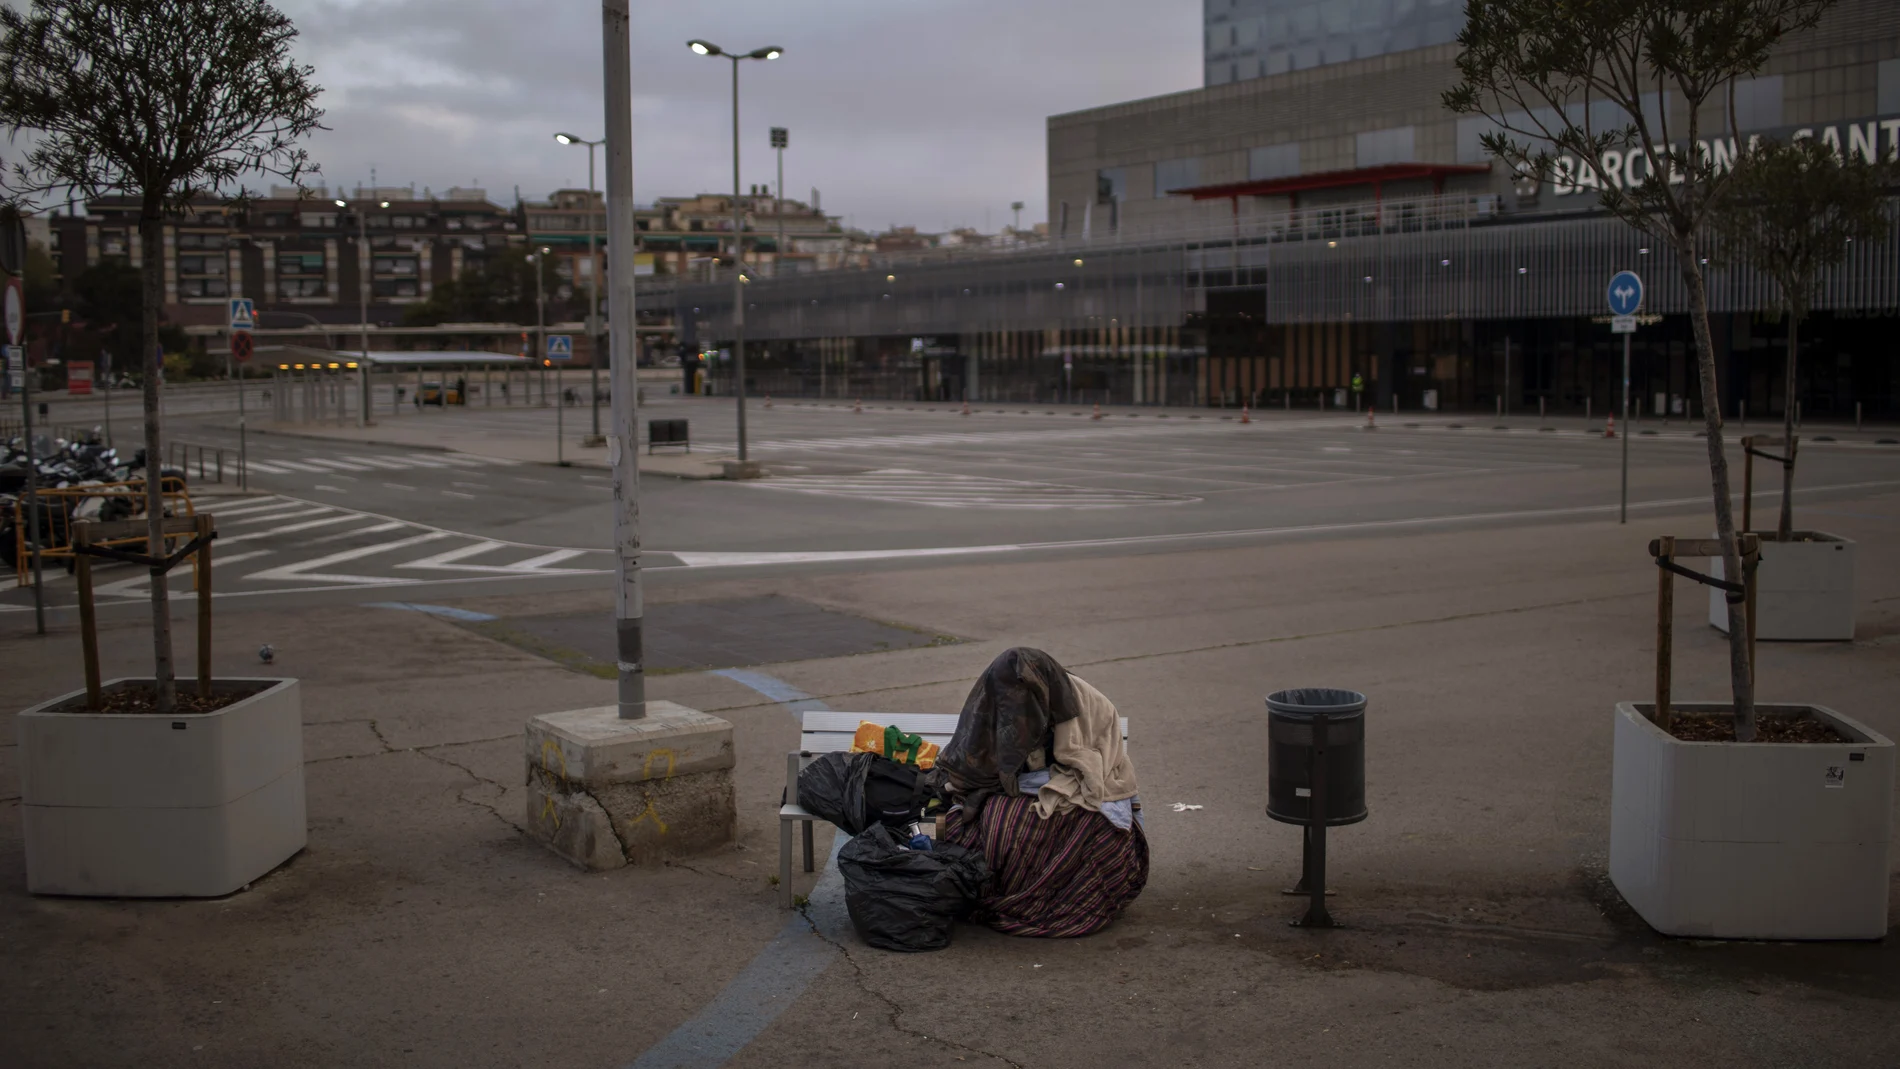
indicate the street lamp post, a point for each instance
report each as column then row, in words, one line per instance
column 539, row 258
column 363, row 263
column 781, row 137
column 593, row 281
column 707, row 48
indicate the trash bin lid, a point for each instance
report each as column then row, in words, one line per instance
column 1313, row 701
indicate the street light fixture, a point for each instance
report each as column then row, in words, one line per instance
column 707, row 48
column 593, row 280
column 364, row 262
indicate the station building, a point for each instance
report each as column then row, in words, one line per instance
column 1313, row 213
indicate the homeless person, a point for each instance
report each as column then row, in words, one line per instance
column 1039, row 781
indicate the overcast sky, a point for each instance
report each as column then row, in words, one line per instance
column 914, row 112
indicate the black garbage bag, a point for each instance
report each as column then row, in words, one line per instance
column 856, row 790
column 908, row 900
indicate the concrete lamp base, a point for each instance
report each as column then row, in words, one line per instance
column 605, row 792
column 741, row 469
column 133, row 805
column 1757, row 840
column 1804, row 590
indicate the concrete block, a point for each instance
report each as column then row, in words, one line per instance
column 1804, row 590
column 1752, row 840
column 604, row 792
column 133, row 805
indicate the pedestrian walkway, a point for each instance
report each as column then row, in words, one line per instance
column 287, row 541
column 327, row 464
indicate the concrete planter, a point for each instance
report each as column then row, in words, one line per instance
column 1804, row 592
column 1752, row 840
column 141, row 806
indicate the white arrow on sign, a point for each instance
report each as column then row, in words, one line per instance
column 16, row 311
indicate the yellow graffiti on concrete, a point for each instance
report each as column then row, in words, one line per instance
column 646, row 770
column 548, row 809
column 649, row 812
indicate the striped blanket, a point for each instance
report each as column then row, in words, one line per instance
column 1067, row 875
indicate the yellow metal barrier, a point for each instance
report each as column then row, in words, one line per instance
column 58, row 503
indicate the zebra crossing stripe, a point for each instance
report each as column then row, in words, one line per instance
column 268, row 469
column 275, row 514
column 380, row 462
column 328, row 521
column 340, row 465
column 307, row 570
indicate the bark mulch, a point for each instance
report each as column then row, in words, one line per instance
column 1767, row 729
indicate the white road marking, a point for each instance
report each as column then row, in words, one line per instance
column 906, row 487
column 399, row 486
column 328, row 521
column 307, row 570
column 295, row 465
column 302, row 507
column 331, row 489
column 343, row 465
column 268, row 469
column 457, row 493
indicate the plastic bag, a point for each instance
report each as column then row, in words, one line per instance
column 857, row 790
column 908, row 900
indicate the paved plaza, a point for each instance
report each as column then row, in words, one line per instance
column 1474, row 583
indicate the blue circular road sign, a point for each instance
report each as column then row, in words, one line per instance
column 1625, row 293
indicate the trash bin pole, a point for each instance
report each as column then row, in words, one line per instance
column 1317, row 814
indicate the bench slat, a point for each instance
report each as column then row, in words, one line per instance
column 937, row 727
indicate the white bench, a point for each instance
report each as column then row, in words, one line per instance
column 829, row 732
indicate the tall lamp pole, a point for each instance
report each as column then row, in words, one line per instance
column 707, row 48
column 781, row 137
column 364, row 261
column 623, row 449
column 593, row 281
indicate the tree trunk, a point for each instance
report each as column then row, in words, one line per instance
column 1742, row 685
column 1784, row 532
column 152, row 278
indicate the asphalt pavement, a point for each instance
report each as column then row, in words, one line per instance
column 462, row 497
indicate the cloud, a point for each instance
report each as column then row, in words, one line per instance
column 924, row 112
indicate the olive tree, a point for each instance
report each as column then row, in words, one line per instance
column 1793, row 211
column 1574, row 80
column 166, row 102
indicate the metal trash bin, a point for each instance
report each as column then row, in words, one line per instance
column 1291, row 717
column 1316, row 777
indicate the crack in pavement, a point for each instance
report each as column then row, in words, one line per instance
column 677, row 864
column 894, row 1009
column 462, row 795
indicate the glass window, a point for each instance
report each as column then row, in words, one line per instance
column 1757, row 104
column 1111, row 184
column 319, row 219
column 1274, row 161
column 1887, row 92
column 1471, row 131
column 395, row 265
column 300, row 263
column 1375, row 147
column 300, row 287
column 1176, row 174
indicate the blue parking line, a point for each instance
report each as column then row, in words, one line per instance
column 782, row 970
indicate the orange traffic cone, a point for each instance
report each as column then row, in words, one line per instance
column 1609, row 429
column 858, row 406
column 1371, row 425
column 1098, row 412
column 1244, row 418
column 966, row 409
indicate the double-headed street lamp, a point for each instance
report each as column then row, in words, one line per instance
column 707, row 48
column 593, row 279
column 364, row 262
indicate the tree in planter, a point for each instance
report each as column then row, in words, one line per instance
column 1581, row 78
column 1793, row 210
column 164, row 101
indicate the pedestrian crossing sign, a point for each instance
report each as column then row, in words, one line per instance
column 243, row 313
column 560, row 347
